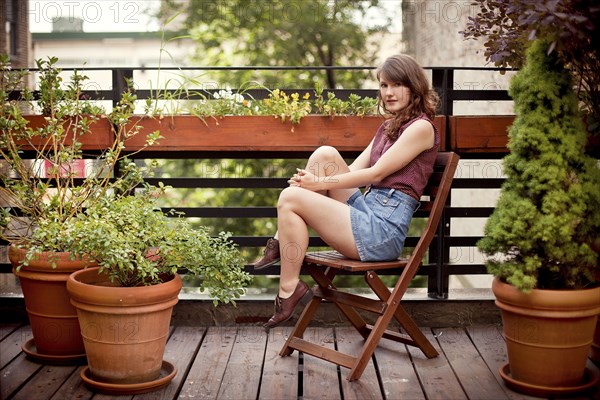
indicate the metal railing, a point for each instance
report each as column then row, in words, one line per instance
column 441, row 262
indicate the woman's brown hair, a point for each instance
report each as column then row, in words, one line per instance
column 404, row 70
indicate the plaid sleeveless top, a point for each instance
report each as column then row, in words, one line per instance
column 413, row 178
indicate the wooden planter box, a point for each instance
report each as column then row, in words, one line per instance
column 100, row 137
column 258, row 133
column 489, row 134
column 480, row 134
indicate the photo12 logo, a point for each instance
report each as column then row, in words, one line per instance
column 88, row 11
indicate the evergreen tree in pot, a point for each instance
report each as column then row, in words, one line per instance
column 539, row 238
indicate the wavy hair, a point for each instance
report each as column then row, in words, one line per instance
column 404, row 70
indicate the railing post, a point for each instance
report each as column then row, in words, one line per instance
column 119, row 82
column 443, row 83
column 439, row 254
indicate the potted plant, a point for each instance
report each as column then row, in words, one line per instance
column 46, row 184
column 539, row 238
column 124, row 305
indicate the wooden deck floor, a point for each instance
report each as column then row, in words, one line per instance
column 243, row 363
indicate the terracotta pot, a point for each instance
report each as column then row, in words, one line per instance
column 124, row 329
column 548, row 333
column 595, row 352
column 52, row 317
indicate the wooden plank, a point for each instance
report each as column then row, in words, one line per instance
column 435, row 374
column 255, row 133
column 180, row 351
column 396, row 372
column 490, row 344
column 45, row 382
column 206, row 373
column 242, row 375
column 280, row 374
column 10, row 346
column 324, row 353
column 7, row 329
column 101, row 396
column 349, row 341
column 480, row 133
column 74, row 388
column 320, row 378
column 475, row 378
column 15, row 374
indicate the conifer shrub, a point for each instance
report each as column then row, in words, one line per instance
column 548, row 214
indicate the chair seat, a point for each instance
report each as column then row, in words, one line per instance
column 333, row 259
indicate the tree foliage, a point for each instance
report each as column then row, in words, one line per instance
column 570, row 27
column 547, row 216
column 283, row 33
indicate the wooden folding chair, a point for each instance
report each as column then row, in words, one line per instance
column 324, row 265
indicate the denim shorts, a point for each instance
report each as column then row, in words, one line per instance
column 380, row 219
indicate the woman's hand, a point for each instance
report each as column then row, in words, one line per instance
column 305, row 179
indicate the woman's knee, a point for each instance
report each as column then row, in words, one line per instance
column 326, row 153
column 326, row 160
column 289, row 196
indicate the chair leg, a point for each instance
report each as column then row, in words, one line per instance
column 325, row 280
column 369, row 346
column 305, row 317
column 402, row 316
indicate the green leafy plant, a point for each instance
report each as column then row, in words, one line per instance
column 38, row 208
column 286, row 107
column 103, row 216
column 548, row 216
column 135, row 243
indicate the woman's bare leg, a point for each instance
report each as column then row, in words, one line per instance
column 297, row 210
column 327, row 161
column 327, row 213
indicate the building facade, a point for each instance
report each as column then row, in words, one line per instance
column 15, row 39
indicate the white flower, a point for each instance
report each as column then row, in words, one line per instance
column 238, row 98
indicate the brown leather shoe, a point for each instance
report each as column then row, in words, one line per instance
column 271, row 255
column 284, row 308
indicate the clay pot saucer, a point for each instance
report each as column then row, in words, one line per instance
column 32, row 353
column 167, row 373
column 590, row 380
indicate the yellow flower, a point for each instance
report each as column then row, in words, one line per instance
column 306, row 96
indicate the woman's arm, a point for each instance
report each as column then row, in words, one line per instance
column 417, row 138
column 364, row 159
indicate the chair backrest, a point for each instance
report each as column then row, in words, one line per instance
column 433, row 201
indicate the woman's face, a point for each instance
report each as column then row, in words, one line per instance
column 394, row 96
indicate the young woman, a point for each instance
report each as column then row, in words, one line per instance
column 394, row 168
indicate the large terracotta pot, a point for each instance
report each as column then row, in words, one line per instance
column 53, row 320
column 125, row 329
column 548, row 336
column 595, row 353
